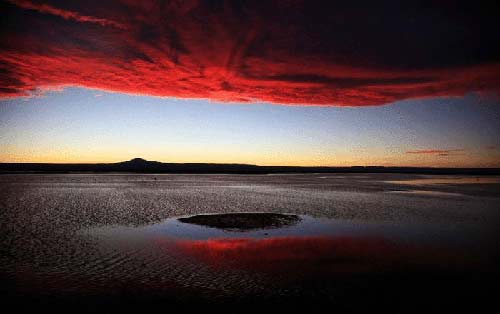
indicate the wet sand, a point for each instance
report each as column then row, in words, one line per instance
column 115, row 241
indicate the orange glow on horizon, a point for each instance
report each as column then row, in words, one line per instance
column 16, row 155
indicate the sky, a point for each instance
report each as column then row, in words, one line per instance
column 83, row 125
column 267, row 83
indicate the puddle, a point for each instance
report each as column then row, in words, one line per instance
column 268, row 225
column 448, row 180
column 274, row 244
column 427, row 193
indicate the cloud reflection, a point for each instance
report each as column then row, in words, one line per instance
column 306, row 256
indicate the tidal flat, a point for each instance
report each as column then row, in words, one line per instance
column 402, row 243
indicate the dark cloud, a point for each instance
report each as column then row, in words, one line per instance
column 65, row 14
column 290, row 52
column 438, row 152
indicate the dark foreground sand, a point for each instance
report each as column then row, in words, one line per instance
column 52, row 257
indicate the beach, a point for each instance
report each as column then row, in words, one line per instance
column 116, row 240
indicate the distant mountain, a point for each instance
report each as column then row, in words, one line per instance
column 137, row 161
column 140, row 165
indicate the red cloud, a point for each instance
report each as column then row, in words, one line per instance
column 298, row 53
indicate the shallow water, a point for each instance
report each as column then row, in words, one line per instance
column 431, row 180
column 116, row 239
column 305, row 239
column 428, row 193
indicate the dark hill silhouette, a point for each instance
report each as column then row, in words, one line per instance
column 137, row 161
column 139, row 165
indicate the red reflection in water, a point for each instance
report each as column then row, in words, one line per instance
column 304, row 255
